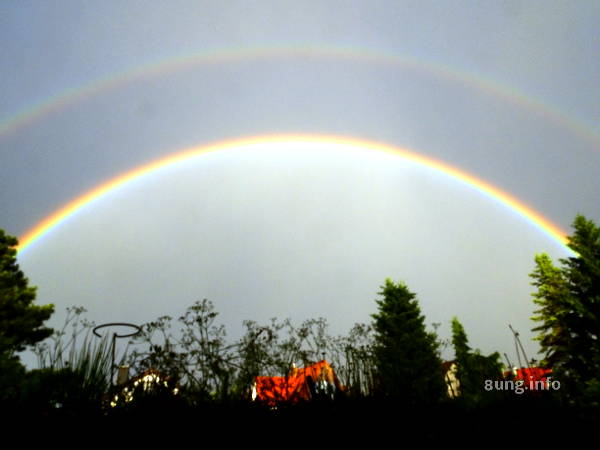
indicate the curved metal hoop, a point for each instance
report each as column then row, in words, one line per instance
column 118, row 324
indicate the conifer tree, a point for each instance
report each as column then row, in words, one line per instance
column 406, row 355
column 21, row 321
column 473, row 368
column 569, row 314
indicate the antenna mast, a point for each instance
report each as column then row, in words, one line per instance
column 517, row 345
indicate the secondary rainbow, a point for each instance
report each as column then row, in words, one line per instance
column 72, row 96
column 71, row 208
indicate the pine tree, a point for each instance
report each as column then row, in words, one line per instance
column 569, row 314
column 406, row 355
column 473, row 368
column 462, row 353
column 21, row 321
column 553, row 299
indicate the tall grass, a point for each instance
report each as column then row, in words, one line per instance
column 77, row 358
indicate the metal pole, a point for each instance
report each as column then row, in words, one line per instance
column 112, row 367
column 523, row 350
column 517, row 342
column 114, row 339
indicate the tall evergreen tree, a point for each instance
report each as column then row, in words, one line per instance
column 473, row 368
column 569, row 313
column 406, row 355
column 21, row 322
column 553, row 299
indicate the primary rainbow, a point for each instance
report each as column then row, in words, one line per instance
column 71, row 208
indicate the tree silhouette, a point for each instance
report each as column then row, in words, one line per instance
column 408, row 366
column 569, row 314
column 21, row 321
column 473, row 369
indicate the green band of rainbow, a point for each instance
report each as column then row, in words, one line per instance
column 299, row 52
column 70, row 209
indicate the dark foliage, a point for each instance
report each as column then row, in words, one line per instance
column 569, row 315
column 473, row 369
column 21, row 321
column 406, row 356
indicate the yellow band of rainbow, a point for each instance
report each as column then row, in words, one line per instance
column 71, row 208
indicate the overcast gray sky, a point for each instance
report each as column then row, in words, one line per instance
column 504, row 90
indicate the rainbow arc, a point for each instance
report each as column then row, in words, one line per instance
column 536, row 219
